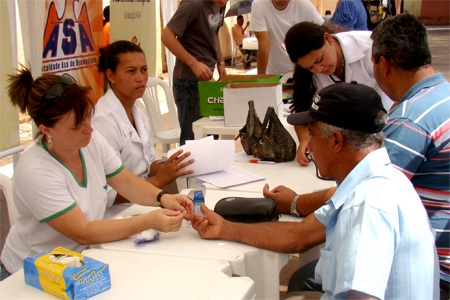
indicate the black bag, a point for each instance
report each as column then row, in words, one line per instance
column 268, row 140
column 247, row 210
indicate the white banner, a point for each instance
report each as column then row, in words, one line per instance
column 140, row 22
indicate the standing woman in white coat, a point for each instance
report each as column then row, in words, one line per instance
column 323, row 59
column 124, row 125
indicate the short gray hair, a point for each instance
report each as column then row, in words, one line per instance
column 357, row 140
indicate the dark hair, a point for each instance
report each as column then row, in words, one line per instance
column 106, row 15
column 240, row 17
column 402, row 40
column 301, row 39
column 109, row 55
column 27, row 93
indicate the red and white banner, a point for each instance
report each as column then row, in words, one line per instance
column 63, row 36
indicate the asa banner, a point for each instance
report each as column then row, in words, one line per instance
column 139, row 21
column 63, row 36
column 9, row 116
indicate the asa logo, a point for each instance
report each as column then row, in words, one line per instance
column 68, row 40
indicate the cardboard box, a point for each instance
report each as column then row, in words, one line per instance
column 211, row 92
column 237, row 95
column 67, row 274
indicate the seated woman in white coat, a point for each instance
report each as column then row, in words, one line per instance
column 124, row 125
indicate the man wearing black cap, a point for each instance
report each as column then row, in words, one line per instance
column 375, row 227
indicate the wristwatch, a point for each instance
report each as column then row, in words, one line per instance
column 222, row 63
column 158, row 198
column 294, row 211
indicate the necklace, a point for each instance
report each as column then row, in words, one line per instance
column 340, row 76
column 341, row 73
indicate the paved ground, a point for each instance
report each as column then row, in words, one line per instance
column 439, row 41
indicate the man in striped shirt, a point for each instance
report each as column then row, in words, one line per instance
column 418, row 127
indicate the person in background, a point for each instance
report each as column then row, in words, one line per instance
column 378, row 240
column 271, row 19
column 416, row 131
column 125, row 126
column 327, row 16
column 239, row 31
column 418, row 128
column 323, row 59
column 192, row 36
column 351, row 14
column 106, row 23
column 60, row 182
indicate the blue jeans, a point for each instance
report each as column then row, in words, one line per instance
column 186, row 97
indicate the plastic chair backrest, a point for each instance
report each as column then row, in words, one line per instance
column 286, row 77
column 152, row 98
column 6, row 187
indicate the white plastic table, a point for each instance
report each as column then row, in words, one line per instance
column 148, row 276
column 250, row 43
column 205, row 126
column 291, row 174
column 262, row 266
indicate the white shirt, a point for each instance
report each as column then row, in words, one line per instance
column 132, row 145
column 357, row 49
column 44, row 189
column 265, row 17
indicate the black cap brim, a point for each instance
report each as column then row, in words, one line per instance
column 300, row 118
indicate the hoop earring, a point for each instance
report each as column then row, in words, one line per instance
column 49, row 141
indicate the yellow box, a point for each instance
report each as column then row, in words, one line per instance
column 67, row 274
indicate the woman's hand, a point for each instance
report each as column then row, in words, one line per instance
column 178, row 202
column 301, row 157
column 165, row 220
column 303, row 140
column 162, row 174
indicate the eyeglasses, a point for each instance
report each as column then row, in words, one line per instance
column 56, row 91
column 311, row 159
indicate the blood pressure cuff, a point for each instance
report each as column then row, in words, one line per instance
column 247, row 210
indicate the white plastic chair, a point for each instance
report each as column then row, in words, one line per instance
column 158, row 131
column 233, row 54
column 286, row 77
column 6, row 187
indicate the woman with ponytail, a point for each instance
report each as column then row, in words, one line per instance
column 323, row 59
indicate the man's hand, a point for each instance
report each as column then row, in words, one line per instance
column 202, row 71
column 210, row 226
column 282, row 195
column 222, row 71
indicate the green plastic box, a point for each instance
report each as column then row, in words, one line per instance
column 211, row 92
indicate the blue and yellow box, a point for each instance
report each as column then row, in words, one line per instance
column 67, row 274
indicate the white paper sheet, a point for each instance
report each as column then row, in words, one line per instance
column 210, row 155
column 230, row 177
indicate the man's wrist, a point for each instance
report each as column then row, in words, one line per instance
column 294, row 211
column 221, row 63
